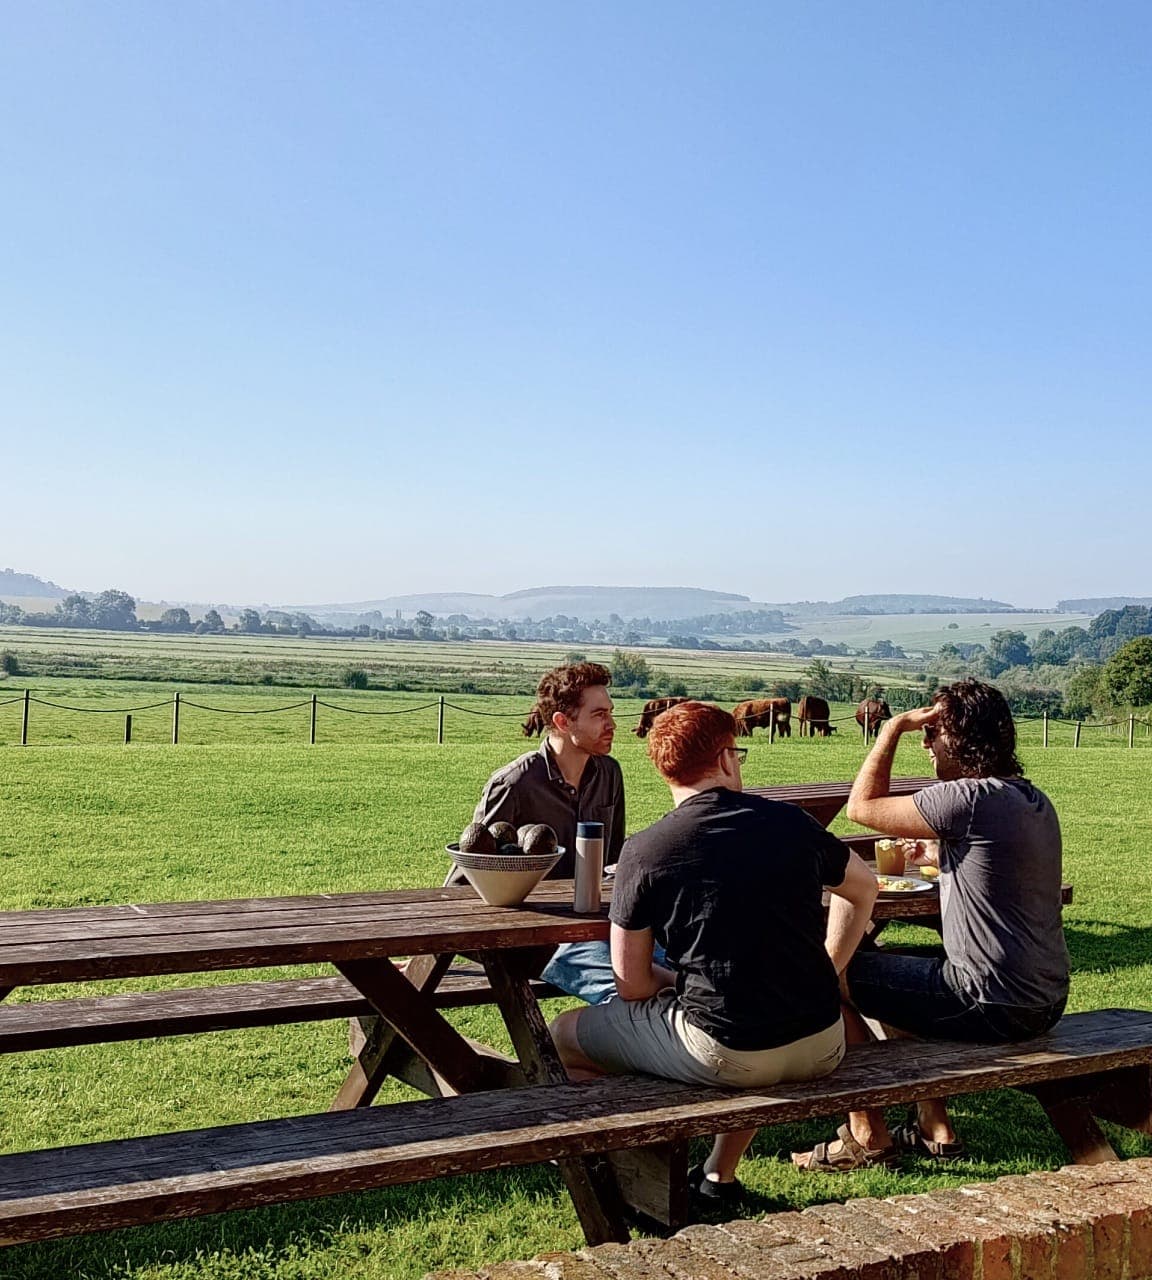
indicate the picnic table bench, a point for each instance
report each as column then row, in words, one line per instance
column 1091, row 1064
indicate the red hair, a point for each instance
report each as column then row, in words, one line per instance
column 687, row 739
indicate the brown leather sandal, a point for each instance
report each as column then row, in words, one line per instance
column 850, row 1156
column 909, row 1137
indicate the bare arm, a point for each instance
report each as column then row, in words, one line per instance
column 849, row 911
column 637, row 978
column 869, row 802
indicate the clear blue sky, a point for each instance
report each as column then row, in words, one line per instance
column 327, row 301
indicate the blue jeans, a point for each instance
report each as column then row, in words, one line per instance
column 921, row 996
column 584, row 969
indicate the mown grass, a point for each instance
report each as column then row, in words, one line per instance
column 91, row 712
column 102, row 824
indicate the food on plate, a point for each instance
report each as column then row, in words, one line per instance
column 929, row 871
column 476, row 838
column 895, row 884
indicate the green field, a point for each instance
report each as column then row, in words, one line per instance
column 104, row 824
column 493, row 666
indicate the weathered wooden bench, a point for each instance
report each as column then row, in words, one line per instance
column 1092, row 1065
column 230, row 1006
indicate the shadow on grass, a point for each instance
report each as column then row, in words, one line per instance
column 279, row 1239
column 1096, row 946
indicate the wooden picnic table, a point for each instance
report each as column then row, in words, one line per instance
column 363, row 936
column 360, row 934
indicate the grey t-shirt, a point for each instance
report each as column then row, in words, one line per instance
column 1000, row 888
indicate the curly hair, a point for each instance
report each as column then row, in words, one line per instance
column 981, row 731
column 686, row 739
column 562, row 688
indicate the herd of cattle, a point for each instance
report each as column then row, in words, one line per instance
column 773, row 714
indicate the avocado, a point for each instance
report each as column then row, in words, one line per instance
column 511, row 850
column 538, row 839
column 476, row 838
column 503, row 832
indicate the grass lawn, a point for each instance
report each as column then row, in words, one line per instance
column 103, row 824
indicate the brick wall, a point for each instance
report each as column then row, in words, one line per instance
column 1080, row 1223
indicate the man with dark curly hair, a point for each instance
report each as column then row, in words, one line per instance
column 1002, row 973
column 569, row 780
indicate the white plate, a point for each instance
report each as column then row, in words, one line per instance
column 917, row 886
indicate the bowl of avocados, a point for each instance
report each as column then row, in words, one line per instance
column 504, row 864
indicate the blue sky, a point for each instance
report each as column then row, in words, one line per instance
column 329, row 301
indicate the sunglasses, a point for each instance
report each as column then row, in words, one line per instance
column 931, row 733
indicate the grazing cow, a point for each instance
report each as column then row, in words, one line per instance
column 813, row 716
column 871, row 714
column 773, row 714
column 652, row 709
column 534, row 726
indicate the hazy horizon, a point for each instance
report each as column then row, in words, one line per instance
column 332, row 303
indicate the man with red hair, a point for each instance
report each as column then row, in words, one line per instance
column 730, row 885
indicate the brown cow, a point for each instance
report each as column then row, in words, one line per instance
column 534, row 726
column 813, row 715
column 773, row 714
column 652, row 709
column 871, row 714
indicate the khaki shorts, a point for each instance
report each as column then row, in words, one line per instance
column 654, row 1038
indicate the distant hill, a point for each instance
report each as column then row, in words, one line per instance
column 1100, row 604
column 26, row 585
column 879, row 604
column 546, row 602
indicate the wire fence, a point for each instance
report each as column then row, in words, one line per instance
column 178, row 704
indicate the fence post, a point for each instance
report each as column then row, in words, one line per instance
column 1045, row 728
column 1131, row 729
column 24, row 721
column 127, row 729
column 176, row 717
column 1076, row 739
column 865, row 726
column 440, row 723
column 312, row 724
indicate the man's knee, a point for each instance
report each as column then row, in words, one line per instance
column 563, row 1030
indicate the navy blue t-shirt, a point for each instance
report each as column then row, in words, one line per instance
column 731, row 887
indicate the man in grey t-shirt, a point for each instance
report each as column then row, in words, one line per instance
column 1003, row 971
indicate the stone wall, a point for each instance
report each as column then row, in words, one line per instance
column 1079, row 1223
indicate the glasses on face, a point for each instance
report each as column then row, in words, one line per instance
column 741, row 753
column 931, row 733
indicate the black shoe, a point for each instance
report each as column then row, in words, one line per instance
column 711, row 1192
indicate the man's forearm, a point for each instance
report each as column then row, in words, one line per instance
column 847, row 922
column 875, row 777
column 659, row 978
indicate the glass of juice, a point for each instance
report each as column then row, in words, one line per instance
column 890, row 857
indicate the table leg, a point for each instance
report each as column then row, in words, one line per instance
column 407, row 1015
column 1069, row 1111
column 590, row 1181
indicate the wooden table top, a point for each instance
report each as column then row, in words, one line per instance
column 797, row 793
column 80, row 944
column 84, row 943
